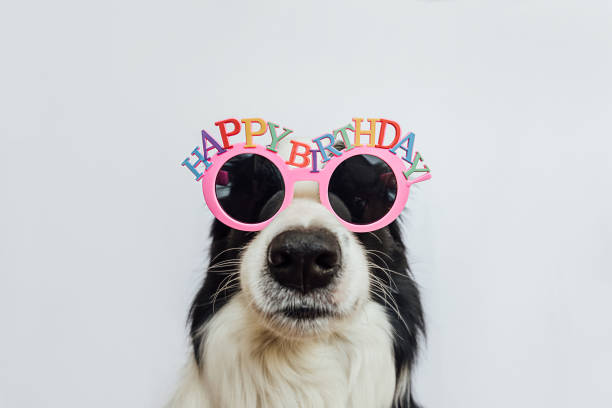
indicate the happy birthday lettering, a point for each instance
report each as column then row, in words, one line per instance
column 364, row 133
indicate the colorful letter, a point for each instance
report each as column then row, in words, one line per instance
column 342, row 131
column 275, row 139
column 224, row 133
column 213, row 142
column 359, row 132
column 192, row 167
column 413, row 169
column 314, row 160
column 381, row 136
column 294, row 153
column 329, row 147
column 408, row 149
column 248, row 130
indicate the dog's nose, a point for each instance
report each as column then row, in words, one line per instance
column 304, row 259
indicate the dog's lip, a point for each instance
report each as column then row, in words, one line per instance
column 305, row 313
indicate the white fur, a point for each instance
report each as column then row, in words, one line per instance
column 246, row 365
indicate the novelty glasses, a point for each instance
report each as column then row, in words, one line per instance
column 364, row 187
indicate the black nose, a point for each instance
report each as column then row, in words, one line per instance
column 304, row 259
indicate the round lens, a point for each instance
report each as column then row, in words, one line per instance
column 250, row 188
column 362, row 189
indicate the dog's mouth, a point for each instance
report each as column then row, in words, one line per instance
column 289, row 306
column 297, row 321
column 305, row 313
column 297, row 315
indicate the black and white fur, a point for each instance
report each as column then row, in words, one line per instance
column 248, row 353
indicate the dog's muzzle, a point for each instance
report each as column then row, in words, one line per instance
column 304, row 260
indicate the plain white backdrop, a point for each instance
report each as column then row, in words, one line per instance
column 103, row 235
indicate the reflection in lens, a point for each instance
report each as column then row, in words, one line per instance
column 250, row 188
column 362, row 189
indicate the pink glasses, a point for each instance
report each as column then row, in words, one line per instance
column 366, row 188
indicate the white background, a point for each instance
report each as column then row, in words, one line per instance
column 103, row 234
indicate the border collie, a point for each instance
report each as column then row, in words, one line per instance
column 303, row 314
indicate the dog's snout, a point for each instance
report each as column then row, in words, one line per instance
column 304, row 260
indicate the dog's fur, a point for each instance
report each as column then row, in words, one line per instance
column 247, row 353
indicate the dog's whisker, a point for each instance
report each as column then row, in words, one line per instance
column 373, row 265
column 226, row 262
column 229, row 285
column 386, row 265
column 223, row 268
column 387, row 273
column 239, row 249
column 376, row 254
column 394, row 311
column 373, row 251
column 224, row 285
column 375, row 236
column 379, row 258
column 392, row 304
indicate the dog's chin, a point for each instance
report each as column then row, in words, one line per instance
column 292, row 315
column 299, row 323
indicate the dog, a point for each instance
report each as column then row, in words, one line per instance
column 303, row 313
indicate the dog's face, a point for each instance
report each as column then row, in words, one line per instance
column 305, row 275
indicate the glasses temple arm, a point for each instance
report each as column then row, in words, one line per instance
column 424, row 177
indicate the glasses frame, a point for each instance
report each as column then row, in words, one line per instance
column 292, row 175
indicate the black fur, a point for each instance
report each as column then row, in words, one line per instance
column 227, row 244
column 386, row 250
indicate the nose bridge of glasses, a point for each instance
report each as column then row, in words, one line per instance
column 306, row 189
column 305, row 182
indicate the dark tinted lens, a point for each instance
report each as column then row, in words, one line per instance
column 250, row 188
column 362, row 189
